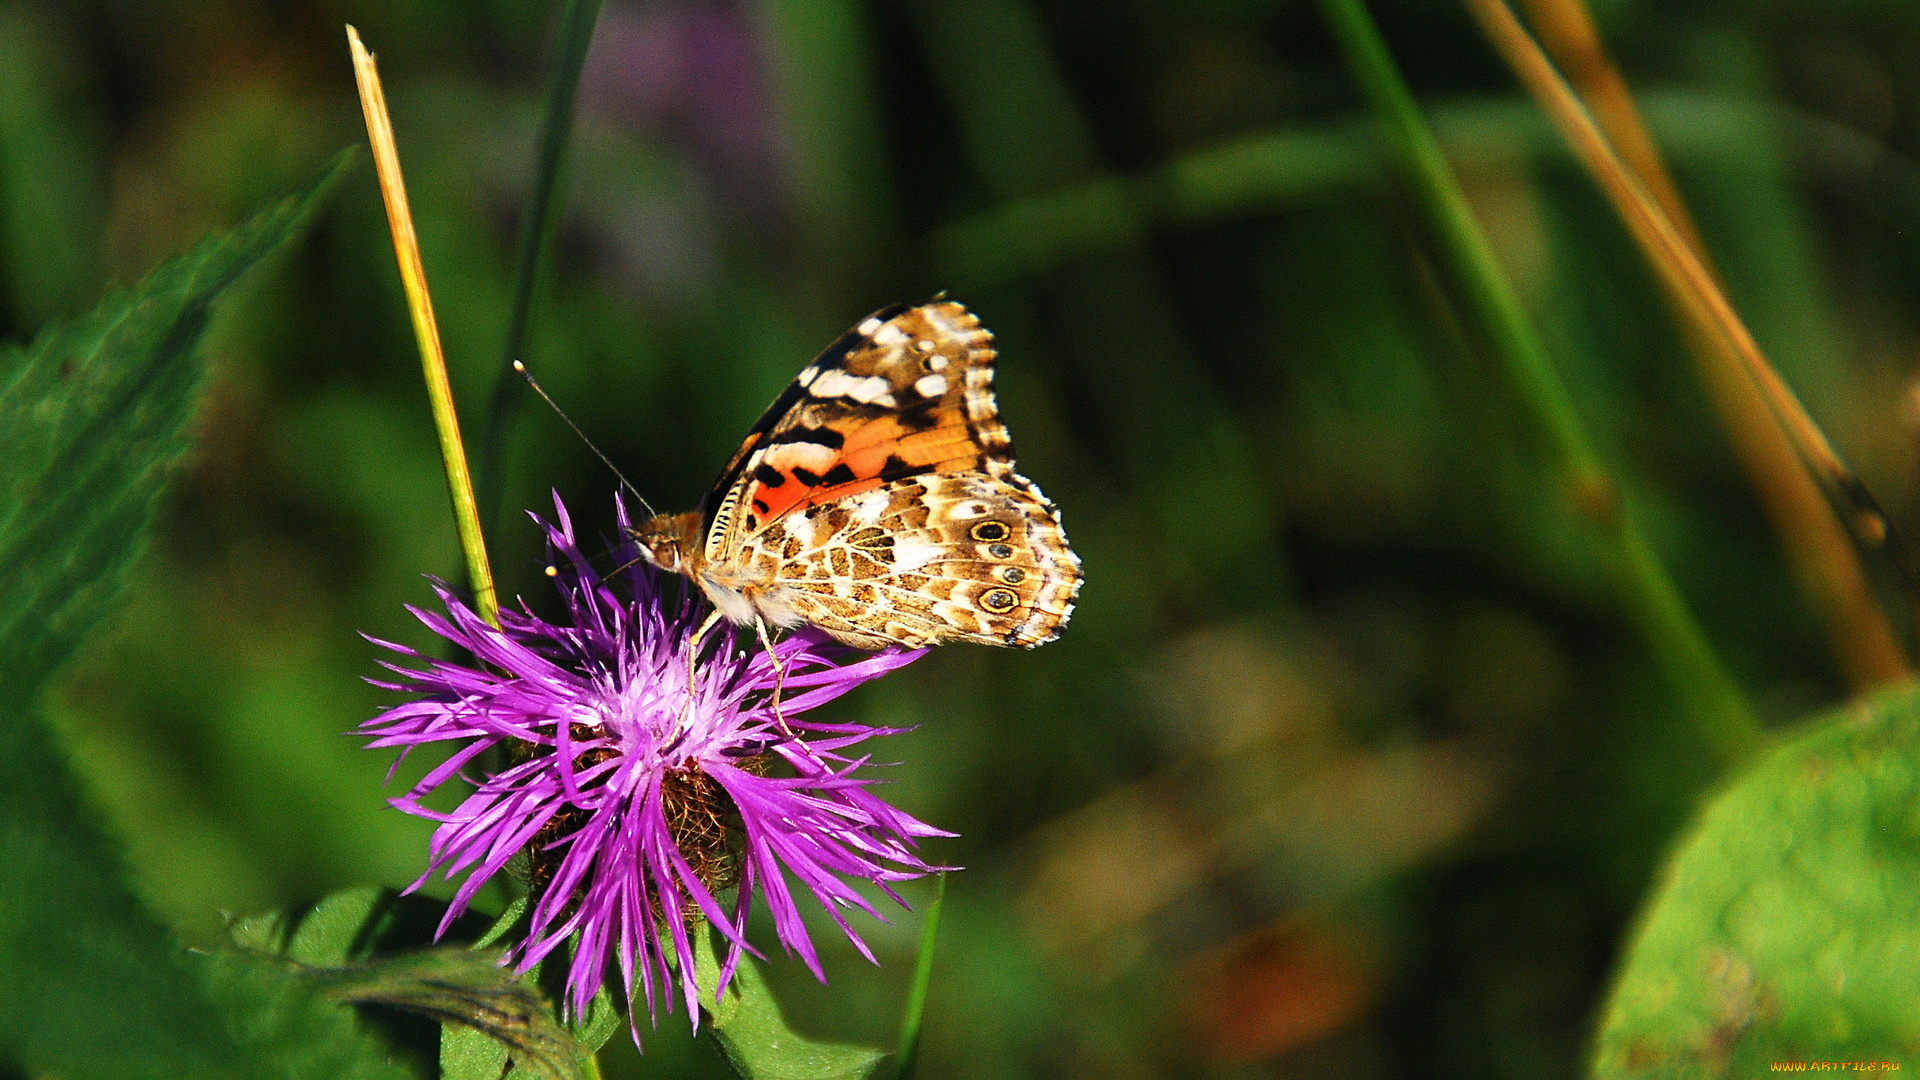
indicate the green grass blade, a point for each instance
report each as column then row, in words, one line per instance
column 536, row 239
column 1186, row 450
column 909, row 1053
column 1248, row 175
column 1711, row 699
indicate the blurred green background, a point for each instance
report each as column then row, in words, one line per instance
column 1350, row 764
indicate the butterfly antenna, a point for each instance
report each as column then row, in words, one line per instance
column 562, row 414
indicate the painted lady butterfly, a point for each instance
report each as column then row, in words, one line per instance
column 876, row 500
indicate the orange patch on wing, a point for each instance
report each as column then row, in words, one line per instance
column 949, row 448
column 922, row 450
column 882, row 432
column 787, row 496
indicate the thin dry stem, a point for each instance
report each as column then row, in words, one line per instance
column 426, row 330
column 1784, row 451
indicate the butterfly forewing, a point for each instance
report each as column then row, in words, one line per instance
column 908, row 391
column 877, row 499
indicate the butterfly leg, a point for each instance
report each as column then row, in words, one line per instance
column 779, row 672
column 693, row 659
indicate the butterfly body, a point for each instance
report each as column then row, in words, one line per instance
column 876, row 499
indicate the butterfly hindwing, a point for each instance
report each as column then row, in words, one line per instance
column 927, row 560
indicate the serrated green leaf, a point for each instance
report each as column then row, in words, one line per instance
column 334, row 929
column 470, row 1054
column 93, row 419
column 753, row 1033
column 598, row 1024
column 467, row 988
column 503, row 924
column 368, row 946
column 1788, row 926
column 327, row 934
column 90, row 986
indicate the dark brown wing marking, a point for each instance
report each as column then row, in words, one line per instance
column 908, row 391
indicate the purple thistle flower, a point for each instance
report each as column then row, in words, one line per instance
column 637, row 810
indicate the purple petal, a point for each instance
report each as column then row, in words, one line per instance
column 618, row 887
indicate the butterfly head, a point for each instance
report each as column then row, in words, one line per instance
column 671, row 542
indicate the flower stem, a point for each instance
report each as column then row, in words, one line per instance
column 536, row 239
column 426, row 332
column 1709, row 696
column 909, row 1052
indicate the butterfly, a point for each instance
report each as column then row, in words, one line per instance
column 876, row 500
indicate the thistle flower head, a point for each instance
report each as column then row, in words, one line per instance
column 640, row 799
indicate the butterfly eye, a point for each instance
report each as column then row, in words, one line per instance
column 988, row 531
column 999, row 601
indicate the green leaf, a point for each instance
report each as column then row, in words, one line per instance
column 466, row 989
column 753, row 1033
column 467, row 1053
column 289, row 1025
column 336, row 928
column 602, row 1018
column 1788, row 925
column 93, row 420
column 472, row 1053
column 369, row 946
column 328, row 934
column 505, row 923
column 90, row 986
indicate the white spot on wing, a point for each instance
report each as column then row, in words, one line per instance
column 912, row 555
column 930, row 386
column 800, row 527
column 868, row 327
column 802, row 455
column 865, row 389
column 937, row 313
column 868, row 507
